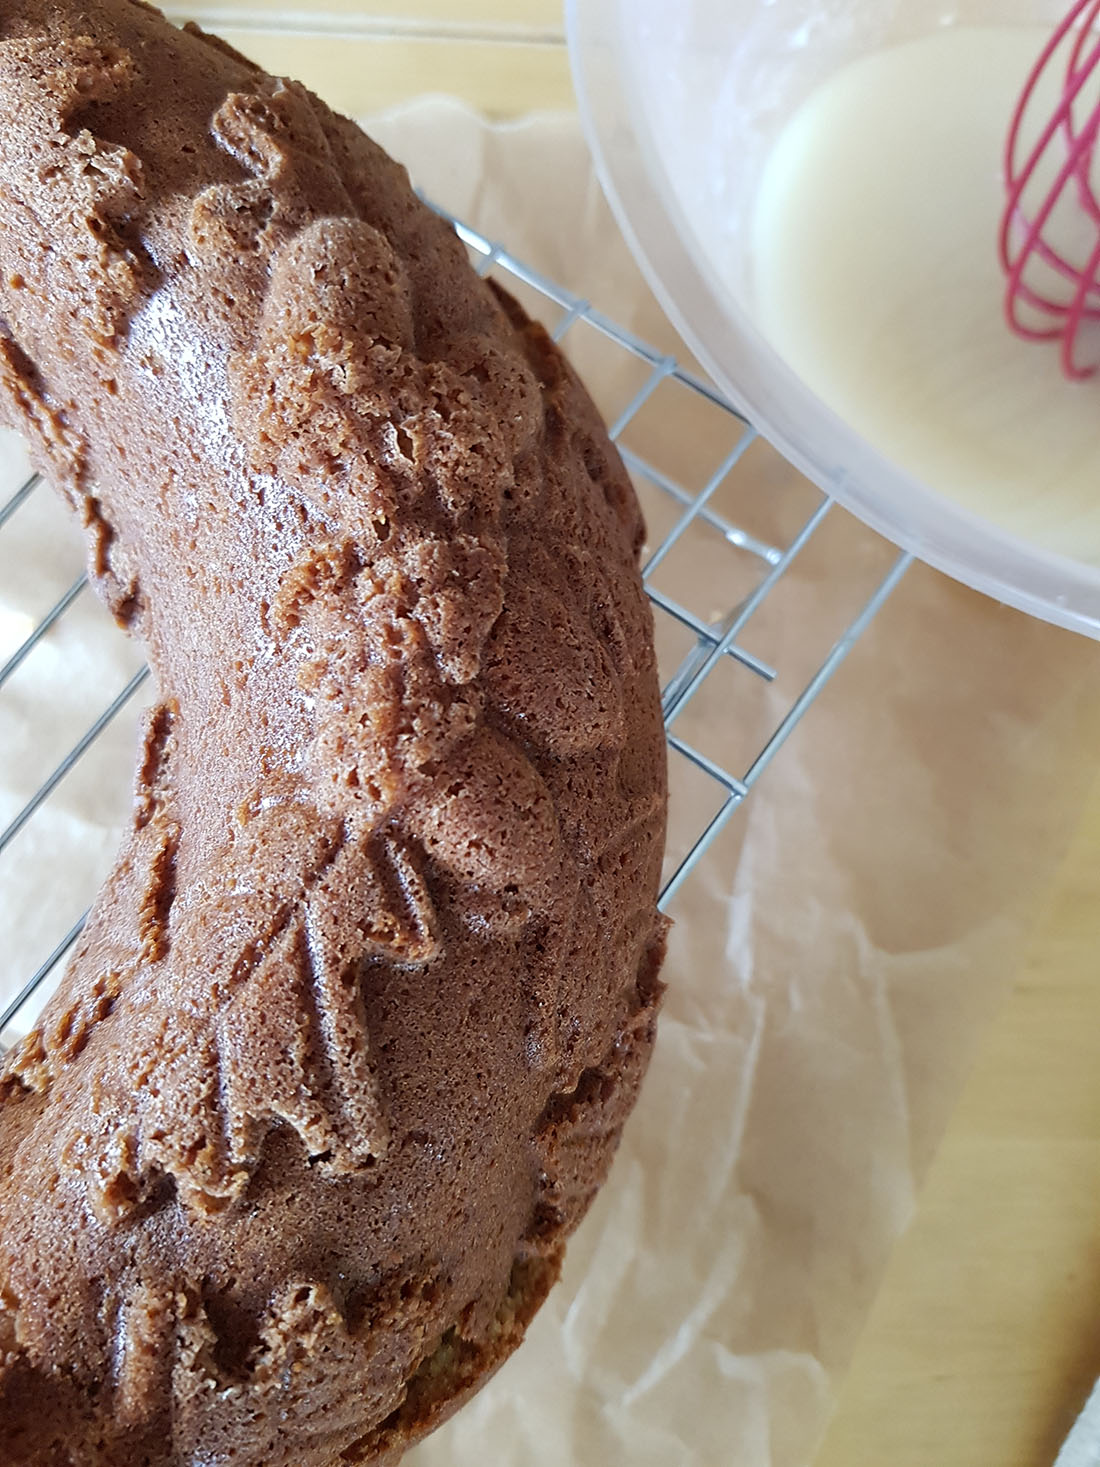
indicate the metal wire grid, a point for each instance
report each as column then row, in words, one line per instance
column 711, row 642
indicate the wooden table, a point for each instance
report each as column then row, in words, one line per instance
column 505, row 57
column 986, row 1336
column 985, row 1339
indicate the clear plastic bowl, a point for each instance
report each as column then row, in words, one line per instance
column 682, row 102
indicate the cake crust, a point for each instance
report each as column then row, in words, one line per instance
column 347, row 1044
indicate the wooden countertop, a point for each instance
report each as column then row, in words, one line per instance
column 985, row 1339
column 986, row 1336
column 505, row 57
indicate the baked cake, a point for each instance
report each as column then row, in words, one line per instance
column 347, row 1044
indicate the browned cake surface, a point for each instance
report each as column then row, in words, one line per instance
column 349, row 1039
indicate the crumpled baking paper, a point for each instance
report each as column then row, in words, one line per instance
column 834, row 958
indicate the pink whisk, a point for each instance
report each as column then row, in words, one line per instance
column 1025, row 245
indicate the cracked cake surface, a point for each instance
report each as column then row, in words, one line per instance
column 347, row 1044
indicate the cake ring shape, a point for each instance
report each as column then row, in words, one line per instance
column 348, row 1041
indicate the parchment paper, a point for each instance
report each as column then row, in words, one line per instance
column 834, row 959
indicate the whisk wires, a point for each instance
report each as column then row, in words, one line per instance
column 1026, row 240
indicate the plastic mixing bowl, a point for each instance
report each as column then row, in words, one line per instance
column 683, row 101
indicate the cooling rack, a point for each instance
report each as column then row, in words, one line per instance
column 695, row 644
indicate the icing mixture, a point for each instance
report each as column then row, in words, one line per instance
column 876, row 277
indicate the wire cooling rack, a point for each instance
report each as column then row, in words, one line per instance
column 695, row 644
